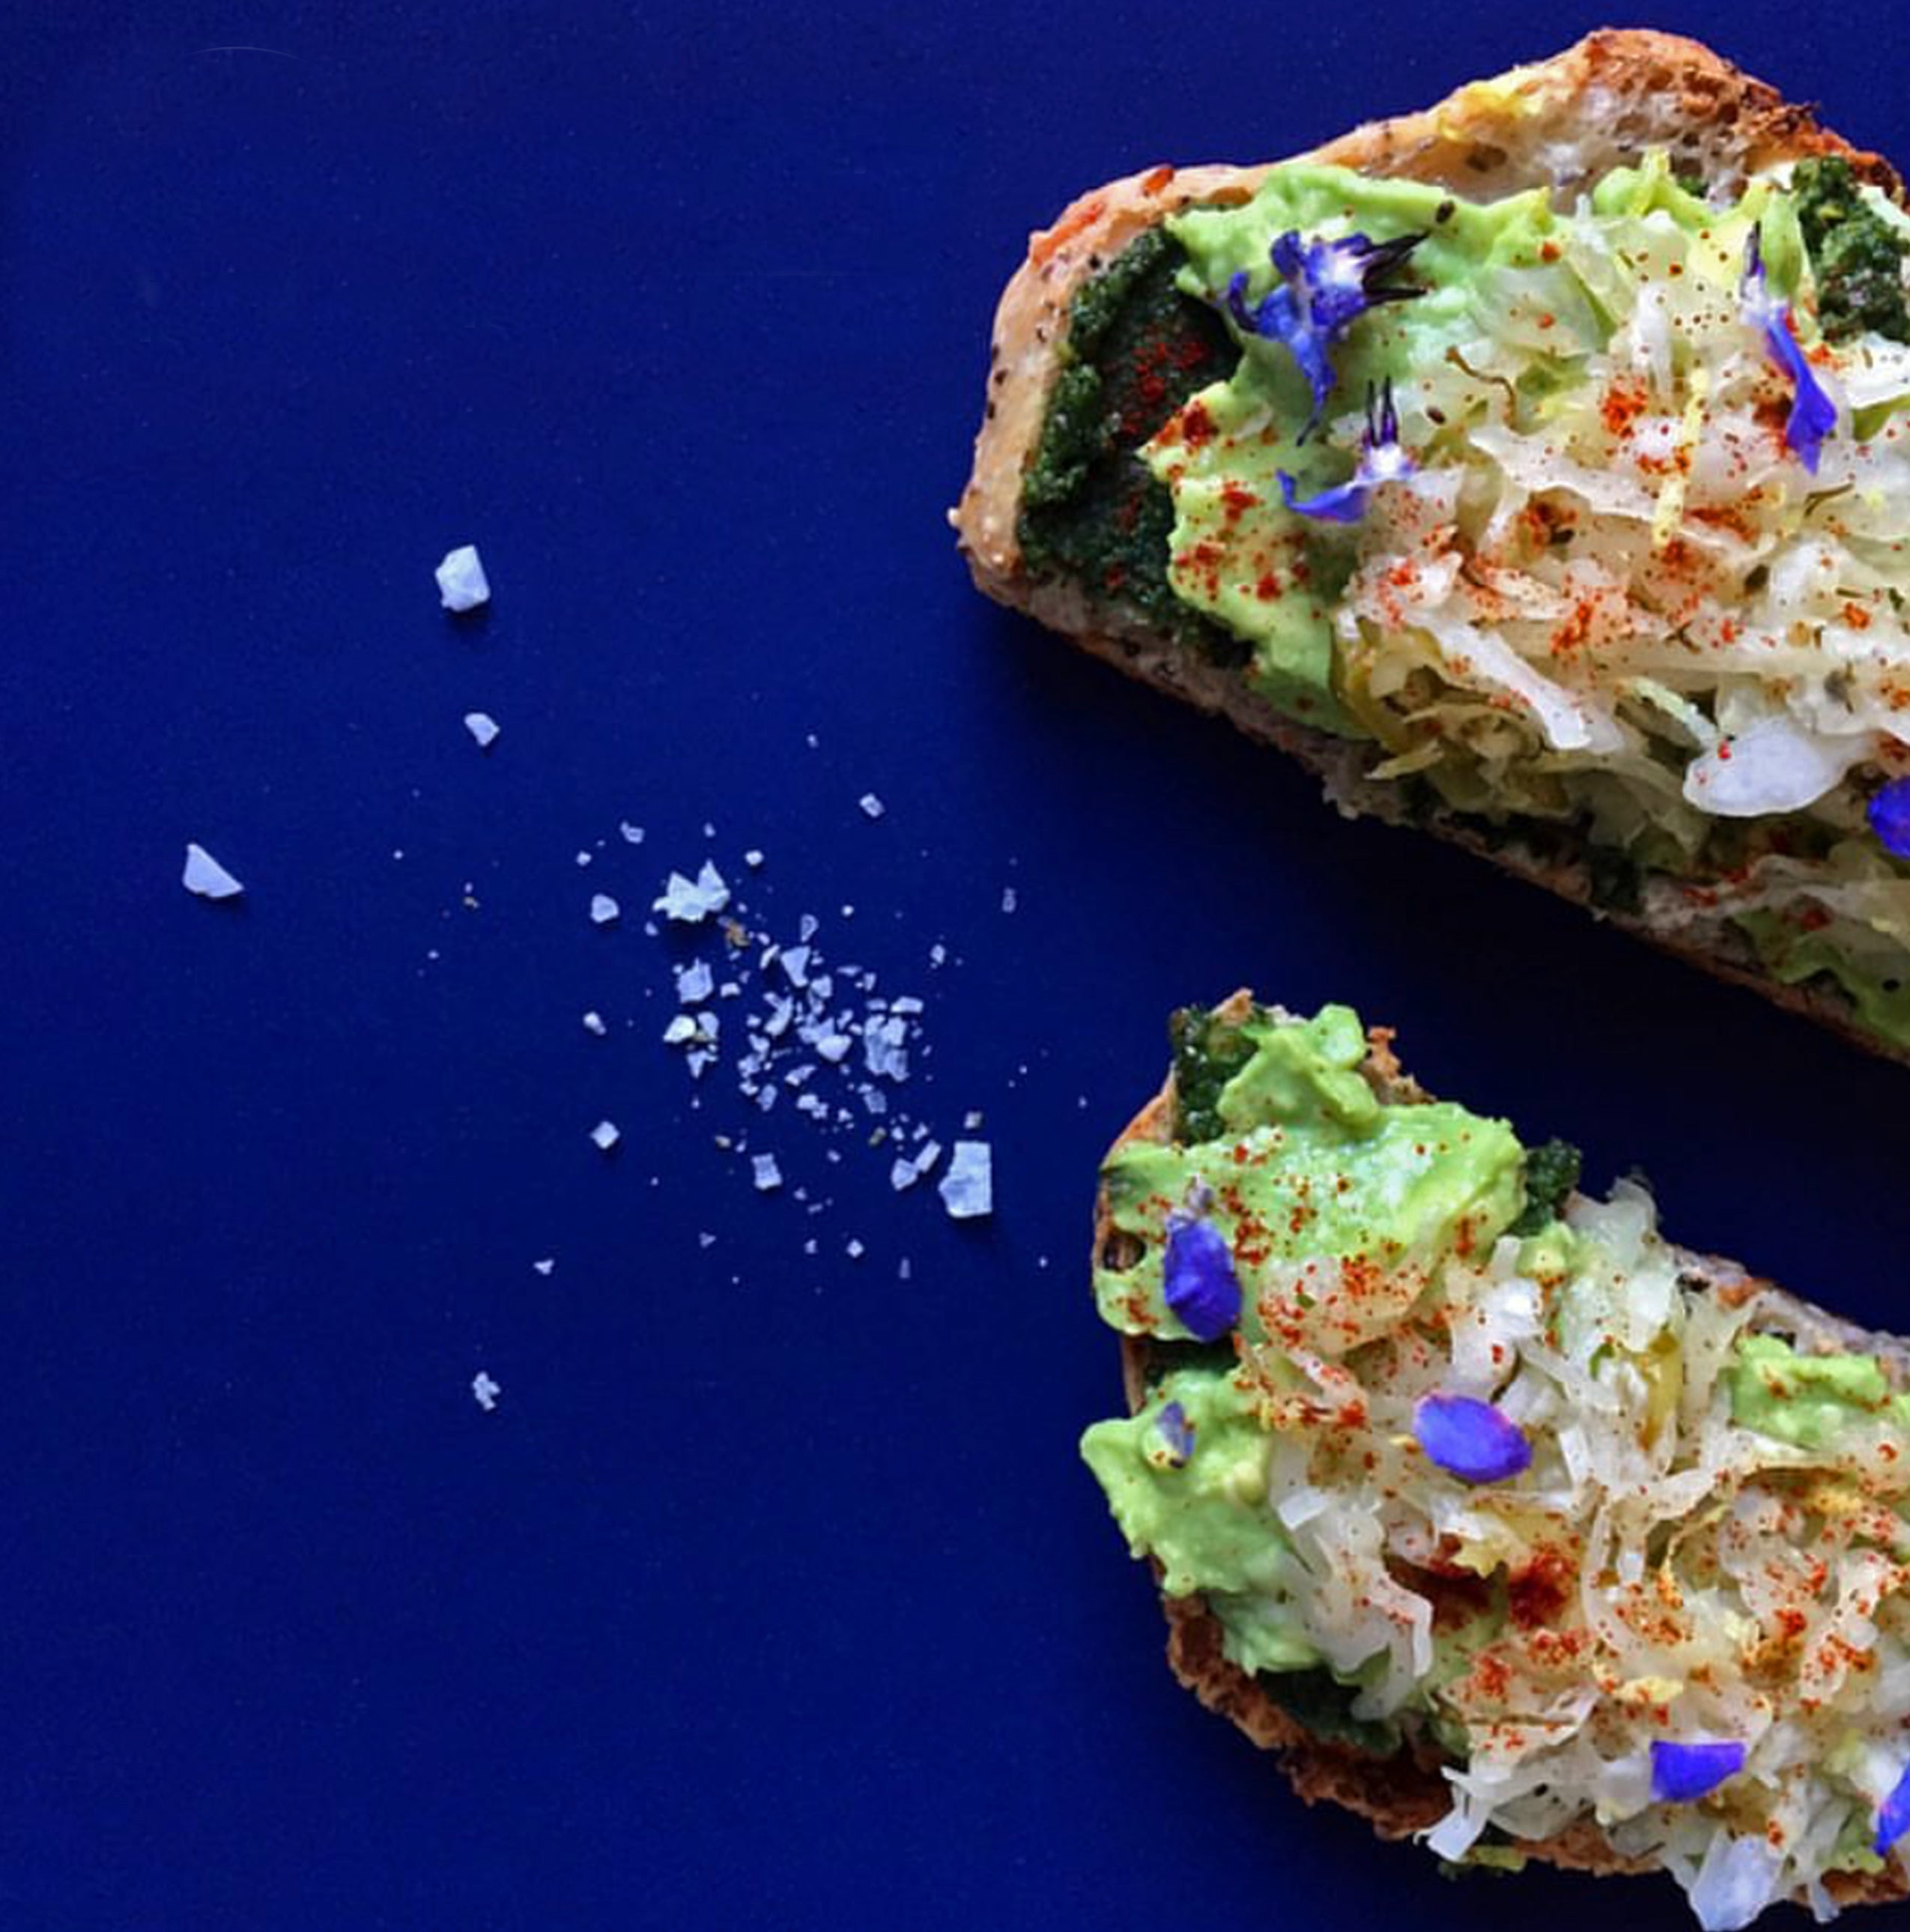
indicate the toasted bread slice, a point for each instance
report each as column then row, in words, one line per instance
column 1561, row 121
column 1407, row 1793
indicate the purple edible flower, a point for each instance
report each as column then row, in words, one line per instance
column 1200, row 1284
column 1472, row 1440
column 1324, row 288
column 1813, row 415
column 1381, row 460
column 1893, row 1816
column 1680, row 1773
column 1889, row 817
column 1176, row 1431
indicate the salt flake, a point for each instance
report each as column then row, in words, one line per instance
column 769, row 1176
column 483, row 727
column 606, row 1134
column 206, row 876
column 967, row 1188
column 605, row 911
column 485, row 1391
column 462, row 584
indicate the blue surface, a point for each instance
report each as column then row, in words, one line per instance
column 772, row 1591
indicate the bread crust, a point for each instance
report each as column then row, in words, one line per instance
column 1407, row 1793
column 1574, row 116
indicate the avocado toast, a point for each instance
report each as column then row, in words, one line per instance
column 1504, row 1521
column 1532, row 469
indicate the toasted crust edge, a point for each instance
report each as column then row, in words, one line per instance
column 1405, row 1794
column 1621, row 89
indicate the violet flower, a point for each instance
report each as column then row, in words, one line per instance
column 1682, row 1773
column 1813, row 415
column 1324, row 288
column 1471, row 1439
column 1381, row 460
column 1198, row 1279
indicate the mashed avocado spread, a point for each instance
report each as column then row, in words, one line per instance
column 1581, row 510
column 1653, row 1524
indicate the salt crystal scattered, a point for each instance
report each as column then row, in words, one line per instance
column 690, row 901
column 593, row 1022
column 768, row 1175
column 462, row 585
column 1008, row 898
column 583, row 858
column 971, row 1121
column 206, row 876
column 681, row 1028
column 694, row 984
column 834, row 1047
column 606, row 1134
column 633, row 835
column 967, row 1188
column 809, row 1246
column 486, row 1391
column 545, row 1266
column 605, row 911
column 483, row 727
column 905, row 1269
column 872, row 805
column 854, row 1249
column 753, row 859
column 706, row 1240
column 808, row 926
column 937, row 953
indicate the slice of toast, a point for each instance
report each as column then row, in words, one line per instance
column 1558, row 124
column 1407, row 1793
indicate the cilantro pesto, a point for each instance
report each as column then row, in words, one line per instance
column 1858, row 257
column 1136, row 349
column 1481, row 1480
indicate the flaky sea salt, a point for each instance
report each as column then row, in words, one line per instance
column 483, row 727
column 768, row 1175
column 1008, row 900
column 688, row 901
column 694, row 984
column 605, row 911
column 462, row 584
column 967, row 1188
column 593, row 1022
column 485, row 1391
column 872, row 806
column 633, row 835
column 545, row 1266
column 206, row 876
column 606, row 1134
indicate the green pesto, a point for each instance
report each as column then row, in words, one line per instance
column 1208, row 1051
column 1318, row 1699
column 1552, row 1172
column 1136, row 350
column 1857, row 257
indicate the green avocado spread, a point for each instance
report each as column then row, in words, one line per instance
column 1280, row 1141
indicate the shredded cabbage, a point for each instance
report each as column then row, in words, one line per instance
column 1662, row 1571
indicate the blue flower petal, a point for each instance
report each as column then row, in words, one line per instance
column 1324, row 287
column 1199, row 1282
column 1681, row 1773
column 1176, row 1431
column 1471, row 1439
column 1344, row 503
column 1813, row 415
column 1893, row 1816
column 1889, row 817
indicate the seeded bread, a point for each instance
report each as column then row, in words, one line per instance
column 1570, row 118
column 1404, row 1794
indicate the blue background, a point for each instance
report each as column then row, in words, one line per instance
column 772, row 1591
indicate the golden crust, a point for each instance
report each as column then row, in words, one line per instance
column 1585, row 110
column 1400, row 1795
